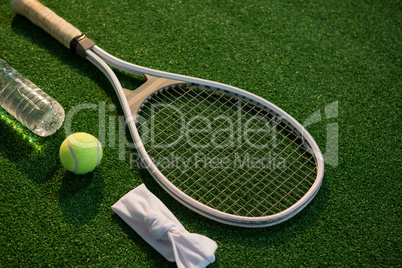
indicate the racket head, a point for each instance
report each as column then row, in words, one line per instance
column 223, row 152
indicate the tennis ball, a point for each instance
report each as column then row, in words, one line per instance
column 80, row 153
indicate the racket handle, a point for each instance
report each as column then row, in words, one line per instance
column 46, row 19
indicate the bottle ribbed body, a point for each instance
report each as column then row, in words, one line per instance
column 28, row 103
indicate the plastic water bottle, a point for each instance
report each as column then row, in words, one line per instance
column 28, row 103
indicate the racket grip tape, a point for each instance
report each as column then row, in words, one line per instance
column 46, row 19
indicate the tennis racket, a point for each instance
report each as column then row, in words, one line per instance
column 221, row 151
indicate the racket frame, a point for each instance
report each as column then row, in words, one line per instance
column 102, row 59
column 73, row 39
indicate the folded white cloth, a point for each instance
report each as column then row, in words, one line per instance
column 154, row 222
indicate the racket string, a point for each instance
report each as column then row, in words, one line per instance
column 197, row 125
column 204, row 138
column 167, row 116
column 273, row 191
column 284, row 194
column 251, row 189
column 254, row 195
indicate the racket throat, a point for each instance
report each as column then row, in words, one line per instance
column 136, row 98
column 80, row 44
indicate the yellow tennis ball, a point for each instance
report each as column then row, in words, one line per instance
column 80, row 153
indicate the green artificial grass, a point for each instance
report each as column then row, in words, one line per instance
column 330, row 64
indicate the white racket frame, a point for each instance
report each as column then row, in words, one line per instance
column 102, row 59
column 69, row 36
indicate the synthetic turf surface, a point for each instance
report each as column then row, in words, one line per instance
column 304, row 57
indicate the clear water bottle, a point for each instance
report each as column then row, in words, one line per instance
column 28, row 103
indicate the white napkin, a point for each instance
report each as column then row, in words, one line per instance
column 154, row 222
